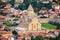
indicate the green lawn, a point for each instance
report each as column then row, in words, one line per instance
column 48, row 26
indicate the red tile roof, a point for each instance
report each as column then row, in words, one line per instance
column 5, row 32
column 40, row 33
column 57, row 30
column 1, row 16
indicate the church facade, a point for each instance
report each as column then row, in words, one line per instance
column 34, row 25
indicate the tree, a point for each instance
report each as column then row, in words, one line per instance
column 14, row 32
column 23, row 38
column 2, row 13
column 51, row 38
column 7, row 23
column 38, row 37
column 29, row 1
column 0, row 1
column 23, row 6
column 58, row 26
column 12, row 2
column 32, row 38
column 58, row 37
column 2, row 4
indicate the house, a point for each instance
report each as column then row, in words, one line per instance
column 19, row 1
column 5, row 0
column 17, row 13
column 2, row 26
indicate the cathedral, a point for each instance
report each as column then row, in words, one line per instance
column 31, row 21
column 34, row 25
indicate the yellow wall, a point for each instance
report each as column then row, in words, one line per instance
column 34, row 25
column 30, row 13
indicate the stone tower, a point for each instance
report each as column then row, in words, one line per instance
column 30, row 11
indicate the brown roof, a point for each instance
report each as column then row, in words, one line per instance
column 5, row 32
column 40, row 33
column 57, row 30
column 1, row 16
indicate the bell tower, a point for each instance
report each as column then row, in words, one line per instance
column 30, row 11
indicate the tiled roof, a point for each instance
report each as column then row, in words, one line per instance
column 57, row 30
column 5, row 32
column 40, row 33
column 1, row 16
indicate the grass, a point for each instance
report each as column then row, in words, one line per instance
column 48, row 26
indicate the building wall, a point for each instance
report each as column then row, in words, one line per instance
column 44, row 20
column 34, row 25
column 30, row 13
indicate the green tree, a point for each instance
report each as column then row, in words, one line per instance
column 14, row 32
column 32, row 38
column 2, row 13
column 28, row 1
column 23, row 38
column 7, row 23
column 51, row 38
column 0, row 1
column 38, row 37
column 23, row 6
column 58, row 37
column 12, row 2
